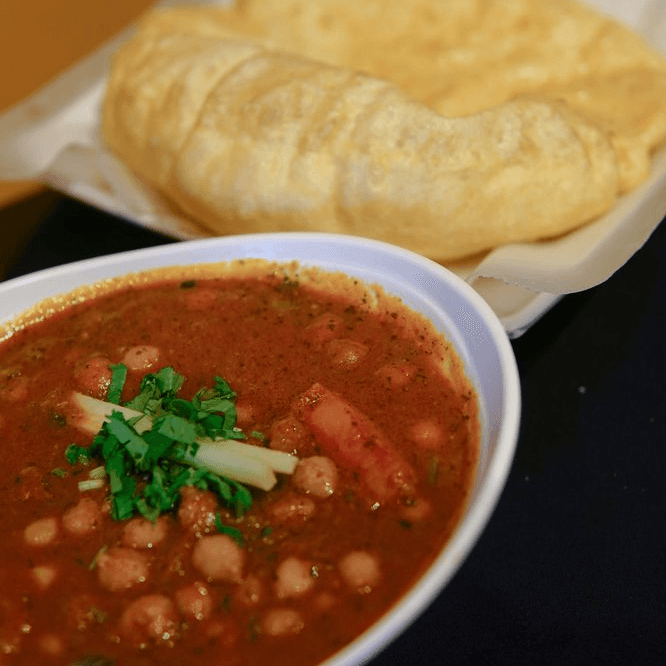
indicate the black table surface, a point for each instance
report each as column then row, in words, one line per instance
column 571, row 568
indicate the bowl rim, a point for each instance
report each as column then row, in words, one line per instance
column 64, row 278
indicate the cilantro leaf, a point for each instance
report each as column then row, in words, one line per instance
column 118, row 377
column 233, row 532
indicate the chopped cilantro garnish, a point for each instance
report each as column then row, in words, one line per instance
column 233, row 532
column 75, row 453
column 118, row 377
column 146, row 468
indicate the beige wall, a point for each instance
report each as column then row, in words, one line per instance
column 40, row 38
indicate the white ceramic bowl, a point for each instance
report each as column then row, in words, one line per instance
column 453, row 307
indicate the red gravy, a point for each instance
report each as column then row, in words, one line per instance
column 364, row 391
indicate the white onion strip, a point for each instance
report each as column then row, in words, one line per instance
column 245, row 463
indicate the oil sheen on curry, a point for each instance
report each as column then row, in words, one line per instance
column 247, row 463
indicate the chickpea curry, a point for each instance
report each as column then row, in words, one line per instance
column 245, row 467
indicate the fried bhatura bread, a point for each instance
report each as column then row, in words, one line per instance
column 244, row 137
column 463, row 56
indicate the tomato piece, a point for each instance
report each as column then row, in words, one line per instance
column 352, row 440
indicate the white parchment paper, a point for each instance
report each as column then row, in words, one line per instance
column 52, row 137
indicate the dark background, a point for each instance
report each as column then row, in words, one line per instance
column 571, row 568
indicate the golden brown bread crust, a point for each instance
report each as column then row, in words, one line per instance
column 463, row 56
column 244, row 136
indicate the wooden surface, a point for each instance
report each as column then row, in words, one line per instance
column 41, row 38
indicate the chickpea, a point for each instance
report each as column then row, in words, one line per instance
column 41, row 532
column 141, row 533
column 141, row 357
column 294, row 578
column 292, row 508
column 93, row 375
column 316, row 475
column 83, row 518
column 122, row 568
column 196, row 511
column 153, row 616
column 282, row 622
column 346, row 353
column 360, row 570
column 219, row 558
column 194, row 602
